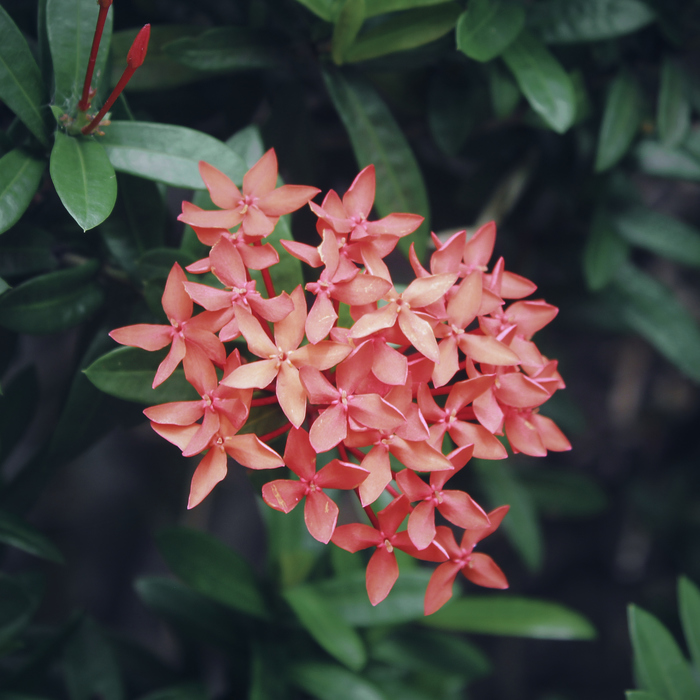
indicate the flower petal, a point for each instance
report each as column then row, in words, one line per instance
column 147, row 336
column 483, row 571
column 249, row 451
column 286, row 199
column 439, row 589
column 320, row 516
column 221, row 189
column 210, row 471
column 283, row 494
column 382, row 572
column 262, row 177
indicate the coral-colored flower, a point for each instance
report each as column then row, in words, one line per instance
column 479, row 568
column 257, row 208
column 320, row 512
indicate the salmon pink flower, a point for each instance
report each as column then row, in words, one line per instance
column 320, row 512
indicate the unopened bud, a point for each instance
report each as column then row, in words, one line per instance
column 137, row 52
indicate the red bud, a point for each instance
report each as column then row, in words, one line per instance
column 137, row 52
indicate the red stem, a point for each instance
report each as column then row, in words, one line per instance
column 264, row 401
column 267, row 279
column 276, row 433
column 370, row 513
column 84, row 103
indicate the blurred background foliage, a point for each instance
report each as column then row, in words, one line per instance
column 572, row 123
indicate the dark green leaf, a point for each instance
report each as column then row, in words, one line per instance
column 17, row 408
column 71, row 28
column 511, row 616
column 659, row 662
column 570, row 21
column 194, row 614
column 90, row 667
column 145, row 211
column 3, row 288
column 521, row 525
column 168, row 153
column 325, row 9
column 347, row 25
column 225, row 49
column 673, row 106
column 654, row 312
column 689, row 607
column 380, row 7
column 661, row 234
column 248, row 144
column 621, row 118
column 348, row 596
column 187, row 691
column 408, row 30
column 377, row 138
column 21, row 88
column 562, row 494
column 84, row 179
column 332, row 682
column 451, row 110
column 52, row 302
column 160, row 71
column 505, row 94
column 605, row 251
column 487, row 28
column 211, row 568
column 128, row 373
column 655, row 159
column 20, row 176
column 17, row 606
column 641, row 695
column 543, row 81
column 326, row 626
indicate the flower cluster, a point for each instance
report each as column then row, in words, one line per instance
column 452, row 353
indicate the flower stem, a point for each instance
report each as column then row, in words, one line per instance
column 264, row 401
column 84, row 103
column 276, row 433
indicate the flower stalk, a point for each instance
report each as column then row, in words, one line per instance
column 84, row 103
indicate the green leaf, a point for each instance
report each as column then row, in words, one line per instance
column 567, row 495
column 160, row 71
column 689, row 607
column 621, row 119
column 521, row 525
column 605, row 251
column 409, row 30
column 20, row 176
column 487, row 28
column 193, row 614
column 326, row 626
column 658, row 660
column 225, row 49
column 3, row 288
column 380, row 7
column 52, row 302
column 128, row 373
column 25, row 251
column 511, row 616
column 347, row 25
column 17, row 606
column 17, row 408
column 185, row 691
column 332, row 682
column 21, row 87
column 655, row 159
column 90, row 667
column 377, row 138
column 209, row 567
column 248, row 144
column 641, row 695
column 505, row 94
column 84, row 179
column 168, row 153
column 451, row 110
column 288, row 273
column 71, row 28
column 571, row 21
column 653, row 311
column 660, row 234
column 673, row 106
column 348, row 597
column 325, row 9
column 543, row 81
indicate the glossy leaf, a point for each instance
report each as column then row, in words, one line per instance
column 350, row 17
column 209, row 567
column 19, row 534
column 377, row 138
column 543, row 81
column 504, row 92
column 689, row 608
column 167, row 153
column 605, row 251
column 348, row 596
column 325, row 9
column 409, row 30
column 571, row 21
column 90, row 666
column 127, row 373
column 17, row 408
column 661, row 666
column 641, row 695
column 651, row 310
column 326, row 626
column 660, row 234
column 380, row 7
column 53, row 302
column 21, row 87
column 3, row 288
column 487, row 28
column 511, row 616
column 160, row 71
column 71, row 28
column 225, row 49
column 20, row 176
column 621, row 118
column 521, row 525
column 656, row 159
column 84, row 179
column 332, row 682
column 248, row 144
column 673, row 106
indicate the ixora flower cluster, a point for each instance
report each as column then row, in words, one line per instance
column 447, row 354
